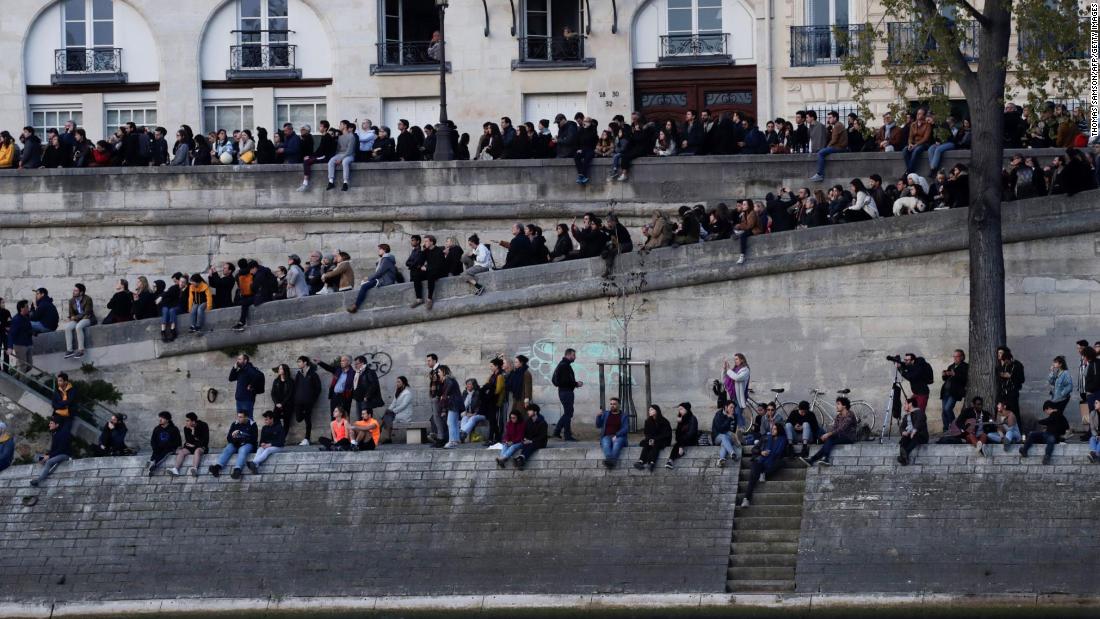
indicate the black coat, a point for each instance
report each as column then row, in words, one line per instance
column 307, row 387
column 223, row 290
column 658, row 430
column 687, row 430
column 199, row 437
column 567, row 139
column 145, row 306
column 520, row 252
column 955, row 386
column 264, row 285
column 166, row 439
column 563, row 377
column 406, row 147
column 536, row 431
column 436, row 261
column 282, row 392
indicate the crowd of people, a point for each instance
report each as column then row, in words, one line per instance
column 500, row 413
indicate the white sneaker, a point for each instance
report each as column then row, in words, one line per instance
column 174, row 472
column 303, row 187
column 762, row 478
column 304, row 443
column 744, row 502
column 980, row 449
column 450, row 445
column 817, row 178
column 741, row 259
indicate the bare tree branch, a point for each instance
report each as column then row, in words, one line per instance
column 974, row 12
column 965, row 77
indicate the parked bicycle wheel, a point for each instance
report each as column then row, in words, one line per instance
column 865, row 415
column 825, row 415
column 787, row 408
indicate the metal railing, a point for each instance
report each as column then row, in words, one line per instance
column 818, row 45
column 694, row 45
column 262, row 56
column 1064, row 51
column 911, row 42
column 408, row 53
column 88, row 60
column 551, row 49
column 44, row 384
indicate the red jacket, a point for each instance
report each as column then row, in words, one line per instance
column 513, row 431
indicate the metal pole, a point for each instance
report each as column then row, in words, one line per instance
column 444, row 149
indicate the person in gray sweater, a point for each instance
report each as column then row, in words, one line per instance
column 345, row 155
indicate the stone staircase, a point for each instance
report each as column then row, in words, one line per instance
column 764, row 548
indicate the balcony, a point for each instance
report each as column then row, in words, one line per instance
column 545, row 52
column 408, row 57
column 695, row 49
column 812, row 46
column 910, row 42
column 86, row 65
column 250, row 61
column 1065, row 51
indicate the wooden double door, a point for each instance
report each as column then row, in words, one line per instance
column 668, row 93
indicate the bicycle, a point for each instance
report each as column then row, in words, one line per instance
column 866, row 417
column 754, row 407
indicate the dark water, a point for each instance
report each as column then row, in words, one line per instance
column 891, row 612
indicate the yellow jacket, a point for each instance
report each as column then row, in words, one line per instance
column 197, row 292
column 7, row 156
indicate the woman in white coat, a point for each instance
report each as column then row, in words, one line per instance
column 736, row 379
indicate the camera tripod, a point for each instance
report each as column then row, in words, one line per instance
column 893, row 407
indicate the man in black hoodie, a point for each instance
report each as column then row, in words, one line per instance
column 587, row 137
column 307, row 388
column 240, row 440
column 432, row 267
column 687, row 433
column 1054, row 428
column 61, row 446
column 272, row 441
column 416, row 256
column 566, row 382
column 165, row 440
column 534, row 435
column 196, row 443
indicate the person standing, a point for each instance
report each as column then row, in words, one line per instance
column 687, row 433
column 451, row 401
column 736, row 380
column 914, row 430
column 339, row 390
column 165, row 440
column 307, row 388
column 1010, row 379
column 919, row 374
column 282, row 396
column 953, row 391
column 1088, row 382
column 250, row 383
column 519, row 384
column 1061, row 383
column 658, row 435
column 432, row 267
column 61, row 447
column 566, row 382
column 196, row 443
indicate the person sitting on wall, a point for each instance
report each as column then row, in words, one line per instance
column 272, row 441
column 341, row 433
column 1055, row 427
column 965, row 427
column 61, row 447
column 914, row 430
column 512, row 442
column 613, row 427
column 1004, row 428
column 165, row 440
column 767, row 462
column 843, row 432
column 240, row 440
column 196, row 442
column 112, row 438
column 723, row 432
column 803, row 423
column 658, row 435
column 687, row 433
column 535, row 435
column 7, row 447
column 761, row 427
column 365, row 433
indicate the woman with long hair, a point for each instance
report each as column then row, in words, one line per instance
column 282, row 396
column 400, row 409
column 736, row 379
column 451, row 401
column 658, row 435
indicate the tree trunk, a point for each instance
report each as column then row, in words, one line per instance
column 987, row 268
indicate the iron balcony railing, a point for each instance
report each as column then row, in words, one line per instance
column 1065, row 51
column 910, row 42
column 818, row 45
column 262, row 56
column 694, row 45
column 408, row 53
column 551, row 49
column 88, row 60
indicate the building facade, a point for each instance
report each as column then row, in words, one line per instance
column 245, row 63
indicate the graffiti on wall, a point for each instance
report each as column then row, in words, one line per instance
column 595, row 343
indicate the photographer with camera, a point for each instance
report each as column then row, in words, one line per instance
column 919, row 374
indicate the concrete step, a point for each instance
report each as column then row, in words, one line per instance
column 764, row 523
column 786, row 473
column 751, row 560
column 777, row 487
column 764, row 535
column 760, row 586
column 761, row 497
column 757, row 510
column 760, row 572
column 750, row 549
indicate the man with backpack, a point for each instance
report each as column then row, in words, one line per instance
column 250, row 383
column 919, row 374
column 482, row 262
column 566, row 382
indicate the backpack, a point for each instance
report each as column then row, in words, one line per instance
column 145, row 149
column 398, row 277
column 492, row 261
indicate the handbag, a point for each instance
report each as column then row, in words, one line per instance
column 248, row 157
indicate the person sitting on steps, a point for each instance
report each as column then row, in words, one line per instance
column 767, row 462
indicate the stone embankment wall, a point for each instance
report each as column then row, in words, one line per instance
column 814, row 309
column 951, row 523
column 395, row 522
column 95, row 226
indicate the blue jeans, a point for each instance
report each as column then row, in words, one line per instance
column 821, row 154
column 471, row 422
column 739, row 415
column 452, row 425
column 1094, row 444
column 565, row 422
column 948, row 414
column 362, row 296
column 936, row 153
column 263, row 453
column 49, row 465
column 168, row 315
column 242, row 455
column 38, row 327
column 726, row 446
column 616, row 162
column 246, row 407
column 612, row 446
column 1012, row 435
column 807, row 433
column 827, row 449
column 1041, row 437
column 198, row 315
column 911, row 156
column 510, row 450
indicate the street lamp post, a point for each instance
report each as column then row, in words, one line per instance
column 444, row 149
